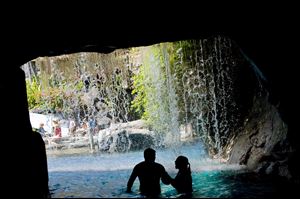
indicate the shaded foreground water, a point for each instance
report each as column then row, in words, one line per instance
column 106, row 175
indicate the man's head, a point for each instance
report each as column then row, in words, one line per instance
column 149, row 155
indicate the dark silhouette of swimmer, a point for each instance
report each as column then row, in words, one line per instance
column 183, row 180
column 149, row 173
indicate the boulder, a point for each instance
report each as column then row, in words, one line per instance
column 125, row 137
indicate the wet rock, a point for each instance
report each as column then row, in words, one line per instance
column 125, row 137
column 262, row 144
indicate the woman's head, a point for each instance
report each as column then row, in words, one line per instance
column 182, row 163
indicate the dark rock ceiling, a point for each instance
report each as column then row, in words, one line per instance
column 266, row 33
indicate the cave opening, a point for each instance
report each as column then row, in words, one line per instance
column 186, row 91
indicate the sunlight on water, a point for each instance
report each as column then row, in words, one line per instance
column 120, row 161
column 106, row 175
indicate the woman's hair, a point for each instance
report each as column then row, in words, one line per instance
column 182, row 163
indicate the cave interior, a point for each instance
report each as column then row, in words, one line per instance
column 270, row 44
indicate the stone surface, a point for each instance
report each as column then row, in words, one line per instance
column 125, row 136
column 261, row 144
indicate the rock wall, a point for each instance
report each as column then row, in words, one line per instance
column 125, row 137
column 262, row 142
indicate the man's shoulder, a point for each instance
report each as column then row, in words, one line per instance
column 140, row 164
column 159, row 165
column 156, row 164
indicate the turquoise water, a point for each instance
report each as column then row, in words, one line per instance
column 106, row 175
column 110, row 184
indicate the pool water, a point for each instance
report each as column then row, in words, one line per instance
column 106, row 175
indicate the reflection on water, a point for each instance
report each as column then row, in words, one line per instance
column 106, row 175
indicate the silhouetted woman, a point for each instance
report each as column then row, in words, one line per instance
column 183, row 180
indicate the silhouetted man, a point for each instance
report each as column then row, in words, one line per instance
column 149, row 173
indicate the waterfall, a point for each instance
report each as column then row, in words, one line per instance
column 173, row 135
column 215, row 64
column 196, row 89
column 161, row 95
column 184, row 90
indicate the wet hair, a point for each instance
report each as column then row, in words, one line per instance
column 149, row 154
column 182, row 163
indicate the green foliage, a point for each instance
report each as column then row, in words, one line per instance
column 79, row 86
column 49, row 98
column 161, row 79
column 154, row 83
column 150, row 88
column 34, row 93
column 139, row 102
